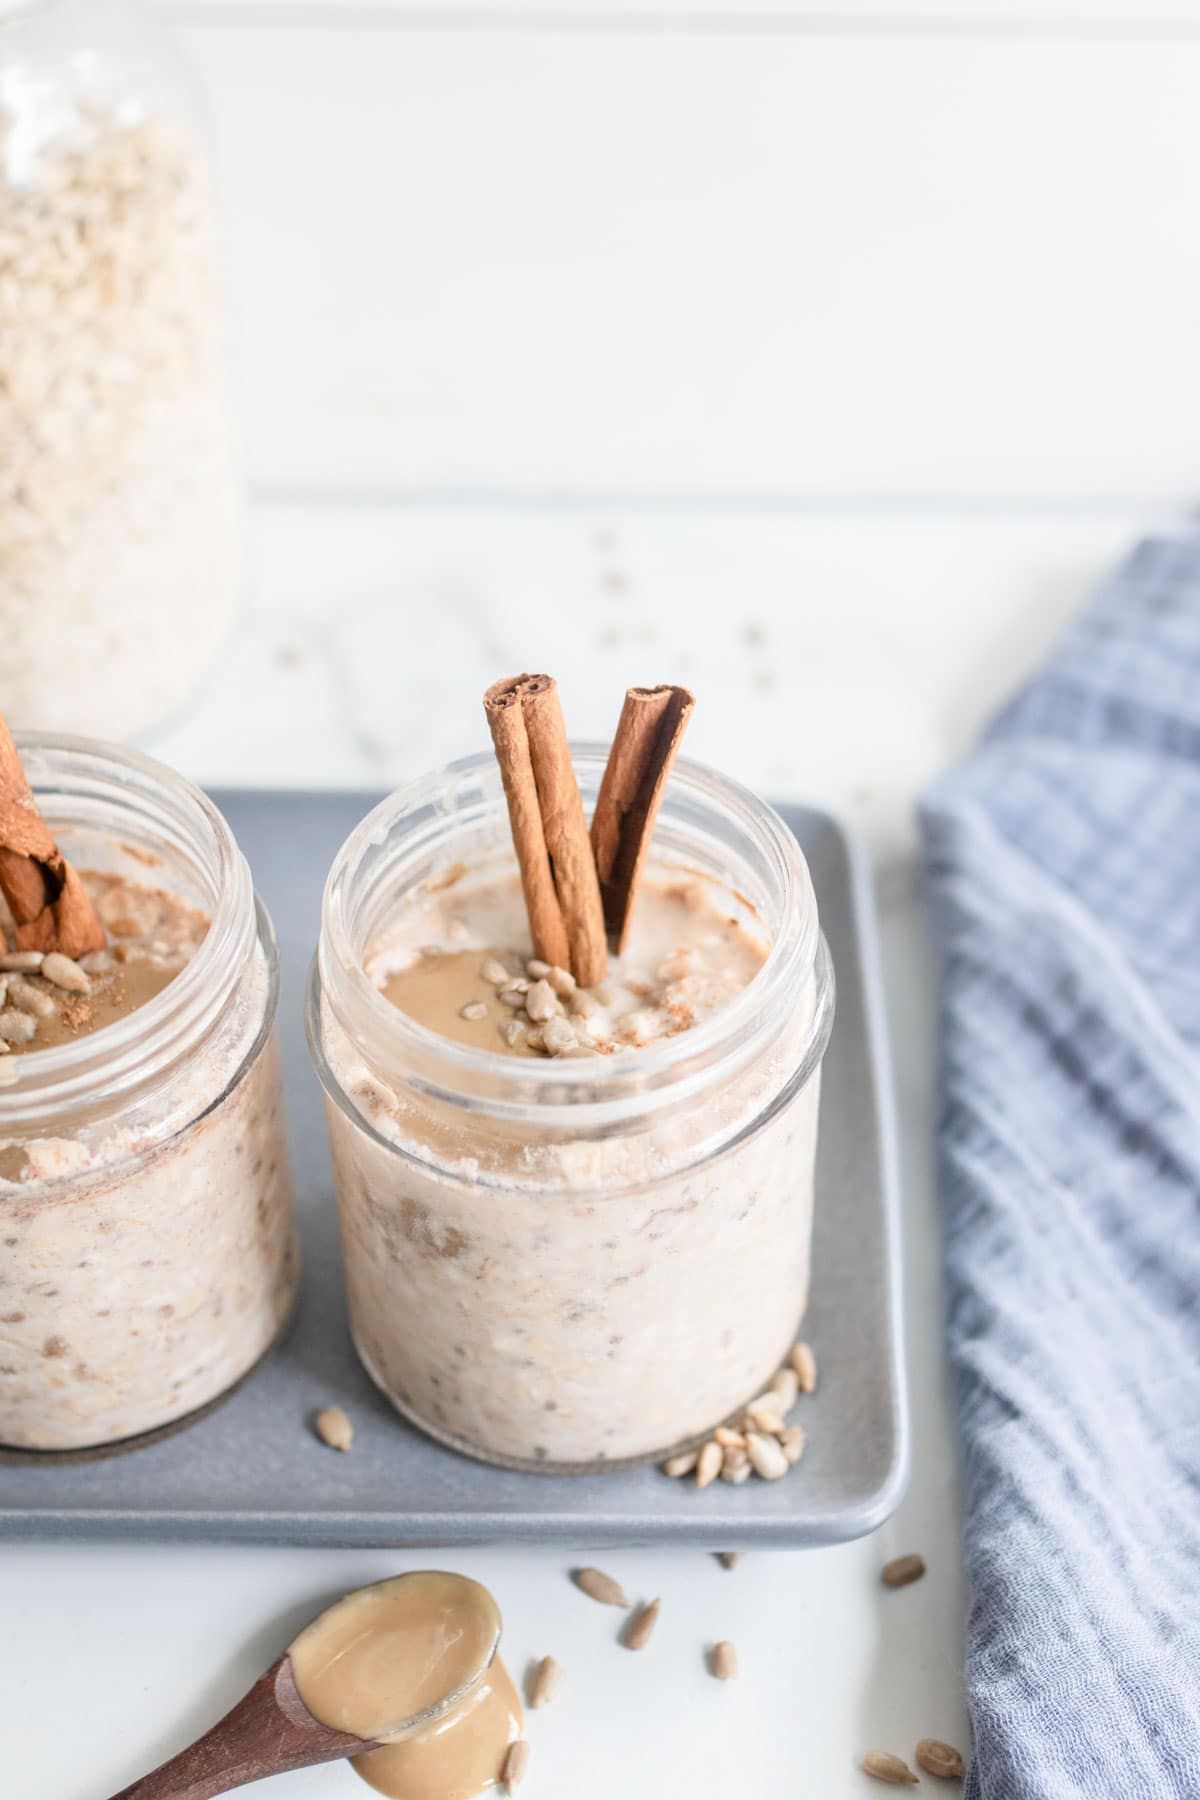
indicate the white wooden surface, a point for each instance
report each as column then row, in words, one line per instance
column 820, row 357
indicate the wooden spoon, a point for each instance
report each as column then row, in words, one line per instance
column 268, row 1732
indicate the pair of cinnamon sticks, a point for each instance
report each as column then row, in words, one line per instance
column 49, row 904
column 580, row 887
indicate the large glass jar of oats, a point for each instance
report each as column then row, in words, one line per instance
column 147, row 1248
column 119, row 516
column 592, row 1257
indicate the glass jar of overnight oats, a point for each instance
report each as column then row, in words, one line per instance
column 147, row 1248
column 578, row 1260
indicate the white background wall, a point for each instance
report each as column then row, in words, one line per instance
column 687, row 249
column 827, row 355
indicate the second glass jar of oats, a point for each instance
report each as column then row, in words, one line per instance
column 578, row 1260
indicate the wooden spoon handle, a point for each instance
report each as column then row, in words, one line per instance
column 269, row 1731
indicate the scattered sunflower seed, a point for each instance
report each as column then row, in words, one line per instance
column 547, row 1680
column 683, row 1464
column 736, row 1468
column 97, row 962
column 474, row 1009
column 786, row 1388
column 728, row 1438
column 536, row 969
column 334, row 1428
column 724, row 1662
column 941, row 1759
column 64, row 972
column 728, row 1559
column 764, row 1415
column 512, row 1031
column 792, row 1441
column 886, row 1767
column 512, row 996
column 902, row 1569
column 641, row 1626
column 767, row 1457
column 562, row 981
column 599, row 1586
column 805, row 1365
column 708, row 1465
column 495, row 972
column 516, row 1764
column 21, row 962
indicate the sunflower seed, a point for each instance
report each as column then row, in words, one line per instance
column 512, row 1031
column 792, row 1441
column 513, row 996
column 736, row 1468
column 97, row 962
column 768, row 1459
column 785, row 1386
column 599, row 1586
column 536, row 969
column 708, row 1466
column 902, row 1569
column 804, row 1364
column 724, row 1662
column 558, row 1037
column 764, row 1416
column 17, row 1027
column 547, row 1680
column 683, row 1464
column 541, row 1002
column 886, row 1767
column 64, row 972
column 334, row 1428
column 21, row 962
column 474, row 1009
column 495, row 972
column 941, row 1759
column 729, row 1439
column 562, row 981
column 516, row 1764
column 641, row 1625
column 728, row 1559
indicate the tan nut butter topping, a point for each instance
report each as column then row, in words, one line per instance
column 390, row 1653
column 694, row 947
column 434, row 989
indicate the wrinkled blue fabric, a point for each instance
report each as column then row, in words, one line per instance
column 1063, row 864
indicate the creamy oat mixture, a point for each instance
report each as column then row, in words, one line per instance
column 147, row 1254
column 541, row 1294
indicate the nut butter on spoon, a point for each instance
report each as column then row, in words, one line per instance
column 402, row 1674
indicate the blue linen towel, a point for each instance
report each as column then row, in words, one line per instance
column 1063, row 861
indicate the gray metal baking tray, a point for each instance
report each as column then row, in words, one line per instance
column 251, row 1470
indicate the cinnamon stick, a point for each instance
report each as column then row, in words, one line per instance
column 652, row 723
column 48, row 902
column 558, row 875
